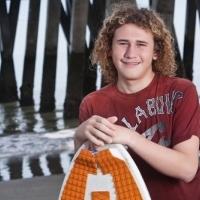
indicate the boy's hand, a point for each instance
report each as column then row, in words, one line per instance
column 123, row 135
column 97, row 130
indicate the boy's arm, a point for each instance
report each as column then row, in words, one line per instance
column 180, row 162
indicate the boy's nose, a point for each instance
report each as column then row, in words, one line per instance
column 131, row 52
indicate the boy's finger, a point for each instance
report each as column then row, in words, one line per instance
column 112, row 119
column 106, row 122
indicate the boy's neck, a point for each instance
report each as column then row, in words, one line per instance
column 133, row 86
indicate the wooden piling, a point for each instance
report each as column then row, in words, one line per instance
column 198, row 6
column 76, row 62
column 180, row 72
column 8, row 86
column 96, row 14
column 166, row 9
column 65, row 19
column 189, row 38
column 47, row 102
column 30, row 55
column 13, row 17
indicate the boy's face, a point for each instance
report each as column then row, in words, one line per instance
column 132, row 53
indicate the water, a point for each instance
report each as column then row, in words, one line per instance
column 15, row 119
column 35, row 154
column 29, row 166
column 32, row 143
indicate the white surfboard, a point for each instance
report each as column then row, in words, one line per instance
column 109, row 174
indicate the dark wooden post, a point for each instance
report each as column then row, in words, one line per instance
column 30, row 55
column 76, row 58
column 180, row 72
column 189, row 38
column 96, row 15
column 65, row 20
column 166, row 8
column 8, row 86
column 13, row 17
column 198, row 6
column 47, row 102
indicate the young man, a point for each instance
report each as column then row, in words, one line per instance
column 144, row 107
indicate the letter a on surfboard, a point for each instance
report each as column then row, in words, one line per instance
column 109, row 174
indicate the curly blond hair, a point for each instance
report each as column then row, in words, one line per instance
column 147, row 19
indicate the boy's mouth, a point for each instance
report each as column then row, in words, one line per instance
column 131, row 63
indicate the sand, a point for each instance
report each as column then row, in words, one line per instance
column 37, row 188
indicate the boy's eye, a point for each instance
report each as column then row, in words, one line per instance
column 141, row 44
column 123, row 43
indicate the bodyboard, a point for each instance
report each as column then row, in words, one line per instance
column 109, row 174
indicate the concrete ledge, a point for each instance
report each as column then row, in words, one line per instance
column 37, row 188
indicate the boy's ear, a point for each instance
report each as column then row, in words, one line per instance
column 155, row 53
column 155, row 56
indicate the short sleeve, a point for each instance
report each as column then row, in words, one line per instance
column 84, row 113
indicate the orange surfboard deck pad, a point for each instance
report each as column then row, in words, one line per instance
column 103, row 175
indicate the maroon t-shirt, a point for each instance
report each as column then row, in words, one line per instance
column 166, row 112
